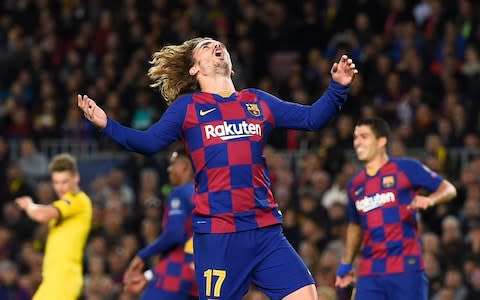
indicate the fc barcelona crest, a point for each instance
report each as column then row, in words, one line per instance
column 388, row 181
column 253, row 109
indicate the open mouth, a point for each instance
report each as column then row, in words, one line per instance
column 218, row 52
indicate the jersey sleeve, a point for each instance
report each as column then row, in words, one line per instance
column 306, row 117
column 68, row 206
column 178, row 203
column 421, row 176
column 157, row 137
column 352, row 209
column 174, row 231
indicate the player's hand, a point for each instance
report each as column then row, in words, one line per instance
column 24, row 202
column 421, row 202
column 136, row 266
column 344, row 275
column 92, row 111
column 137, row 283
column 343, row 282
column 343, row 71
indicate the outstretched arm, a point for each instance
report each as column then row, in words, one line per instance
column 157, row 137
column 306, row 117
column 173, row 236
column 37, row 212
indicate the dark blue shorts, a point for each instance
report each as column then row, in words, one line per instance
column 227, row 264
column 409, row 285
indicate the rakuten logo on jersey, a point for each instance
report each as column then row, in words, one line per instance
column 229, row 131
column 371, row 202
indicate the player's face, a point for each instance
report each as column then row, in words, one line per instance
column 366, row 144
column 64, row 182
column 211, row 58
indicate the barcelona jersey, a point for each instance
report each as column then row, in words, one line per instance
column 224, row 137
column 379, row 204
column 174, row 277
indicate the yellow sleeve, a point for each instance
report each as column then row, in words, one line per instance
column 68, row 206
column 189, row 246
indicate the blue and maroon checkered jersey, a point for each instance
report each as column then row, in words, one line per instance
column 225, row 137
column 173, row 272
column 379, row 204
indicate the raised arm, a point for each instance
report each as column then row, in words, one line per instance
column 154, row 139
column 37, row 212
column 313, row 117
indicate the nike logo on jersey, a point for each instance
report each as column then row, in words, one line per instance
column 205, row 112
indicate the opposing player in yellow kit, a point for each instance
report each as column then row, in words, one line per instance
column 69, row 220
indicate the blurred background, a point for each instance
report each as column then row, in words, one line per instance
column 419, row 68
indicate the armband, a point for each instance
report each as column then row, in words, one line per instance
column 344, row 269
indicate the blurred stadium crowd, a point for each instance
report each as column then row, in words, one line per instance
column 419, row 64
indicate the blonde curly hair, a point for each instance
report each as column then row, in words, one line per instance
column 170, row 70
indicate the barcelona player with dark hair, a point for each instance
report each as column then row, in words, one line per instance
column 238, row 237
column 384, row 200
column 173, row 277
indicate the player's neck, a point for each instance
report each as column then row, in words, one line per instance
column 219, row 85
column 375, row 164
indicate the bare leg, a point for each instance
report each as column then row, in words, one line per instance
column 308, row 292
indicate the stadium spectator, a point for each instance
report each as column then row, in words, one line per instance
column 34, row 164
column 9, row 287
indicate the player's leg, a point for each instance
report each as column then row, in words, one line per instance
column 223, row 264
column 280, row 272
column 306, row 292
column 411, row 285
column 370, row 287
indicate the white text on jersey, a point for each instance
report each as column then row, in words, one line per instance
column 371, row 202
column 228, row 131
